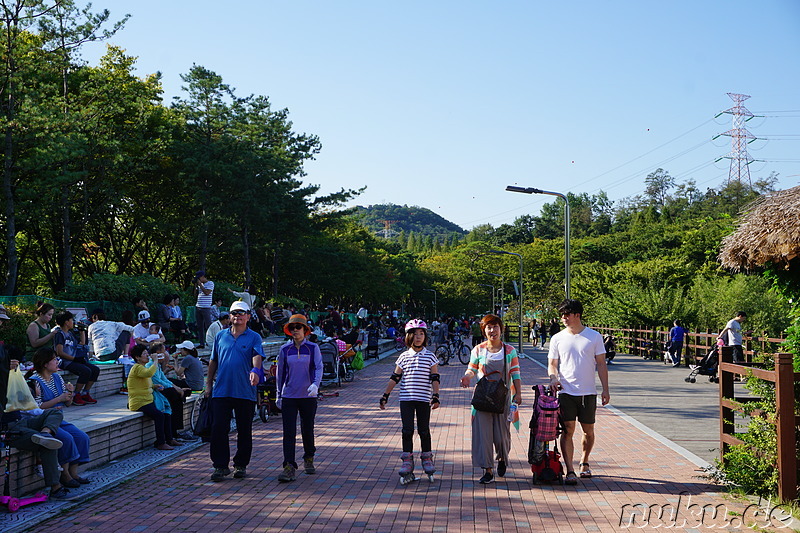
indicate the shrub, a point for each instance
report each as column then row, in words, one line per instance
column 117, row 288
column 13, row 331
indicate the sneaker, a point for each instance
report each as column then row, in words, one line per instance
column 501, row 468
column 289, row 474
column 239, row 472
column 71, row 484
column 486, row 479
column 60, row 494
column 78, row 400
column 87, row 398
column 220, row 474
column 308, row 464
column 187, row 435
column 46, row 441
column 123, row 390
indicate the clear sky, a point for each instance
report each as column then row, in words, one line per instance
column 442, row 103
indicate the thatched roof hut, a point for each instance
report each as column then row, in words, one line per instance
column 768, row 232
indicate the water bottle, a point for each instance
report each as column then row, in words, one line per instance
column 512, row 411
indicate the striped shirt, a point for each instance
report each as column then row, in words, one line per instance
column 415, row 386
column 203, row 300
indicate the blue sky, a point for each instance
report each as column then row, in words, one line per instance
column 443, row 103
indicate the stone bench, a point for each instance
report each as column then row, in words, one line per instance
column 114, row 431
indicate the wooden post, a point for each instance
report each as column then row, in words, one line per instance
column 726, row 425
column 784, row 399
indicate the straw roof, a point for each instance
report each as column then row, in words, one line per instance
column 768, row 232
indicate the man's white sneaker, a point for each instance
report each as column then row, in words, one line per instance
column 46, row 441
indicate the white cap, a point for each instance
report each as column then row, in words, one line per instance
column 144, row 315
column 240, row 306
column 189, row 345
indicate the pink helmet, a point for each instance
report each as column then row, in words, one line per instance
column 415, row 323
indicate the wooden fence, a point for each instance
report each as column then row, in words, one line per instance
column 651, row 343
column 786, row 420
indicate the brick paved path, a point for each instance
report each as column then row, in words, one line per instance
column 357, row 488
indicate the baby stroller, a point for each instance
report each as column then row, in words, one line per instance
column 372, row 344
column 707, row 367
column 611, row 347
column 330, row 363
column 546, row 425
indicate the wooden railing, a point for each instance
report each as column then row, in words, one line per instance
column 786, row 420
column 650, row 343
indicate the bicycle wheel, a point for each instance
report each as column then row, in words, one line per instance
column 442, row 355
column 263, row 412
column 347, row 372
column 463, row 354
column 399, row 345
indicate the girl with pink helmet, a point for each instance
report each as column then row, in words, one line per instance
column 417, row 372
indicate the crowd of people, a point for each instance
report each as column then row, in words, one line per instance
column 159, row 382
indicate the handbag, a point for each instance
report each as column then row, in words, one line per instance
column 19, row 394
column 491, row 395
column 203, row 426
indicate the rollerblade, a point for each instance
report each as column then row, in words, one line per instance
column 407, row 469
column 427, row 465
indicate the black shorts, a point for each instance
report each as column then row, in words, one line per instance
column 581, row 407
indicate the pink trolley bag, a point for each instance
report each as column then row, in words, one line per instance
column 546, row 426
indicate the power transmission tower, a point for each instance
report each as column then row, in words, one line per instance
column 387, row 230
column 740, row 138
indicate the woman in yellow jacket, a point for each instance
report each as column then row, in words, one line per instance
column 140, row 395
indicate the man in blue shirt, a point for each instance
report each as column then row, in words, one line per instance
column 233, row 373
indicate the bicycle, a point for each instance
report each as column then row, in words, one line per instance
column 400, row 344
column 455, row 347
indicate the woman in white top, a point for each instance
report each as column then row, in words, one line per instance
column 417, row 372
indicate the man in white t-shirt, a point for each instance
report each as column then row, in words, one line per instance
column 733, row 329
column 205, row 299
column 575, row 353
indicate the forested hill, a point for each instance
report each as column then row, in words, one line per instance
column 419, row 220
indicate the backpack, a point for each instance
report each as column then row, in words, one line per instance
column 546, row 415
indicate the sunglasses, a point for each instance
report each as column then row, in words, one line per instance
column 238, row 313
column 292, row 327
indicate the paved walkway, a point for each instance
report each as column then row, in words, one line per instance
column 356, row 487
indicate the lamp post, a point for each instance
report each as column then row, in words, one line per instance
column 533, row 190
column 435, row 312
column 521, row 313
column 492, row 287
column 499, row 291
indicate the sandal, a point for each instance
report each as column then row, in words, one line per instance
column 585, row 473
column 571, row 478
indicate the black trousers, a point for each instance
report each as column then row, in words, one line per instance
column 85, row 370
column 161, row 421
column 222, row 409
column 307, row 409
column 422, row 410
column 176, row 400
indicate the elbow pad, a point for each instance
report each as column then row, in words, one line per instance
column 395, row 377
column 434, row 377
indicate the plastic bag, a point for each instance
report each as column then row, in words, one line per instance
column 358, row 361
column 19, row 395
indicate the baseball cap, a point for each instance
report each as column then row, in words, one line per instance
column 188, row 345
column 144, row 315
column 239, row 306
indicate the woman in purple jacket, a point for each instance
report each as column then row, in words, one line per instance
column 298, row 379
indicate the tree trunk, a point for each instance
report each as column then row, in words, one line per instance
column 12, row 268
column 66, row 268
column 275, row 272
column 246, row 251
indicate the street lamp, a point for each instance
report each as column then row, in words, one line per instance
column 435, row 312
column 492, row 287
column 521, row 314
column 533, row 190
column 499, row 291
